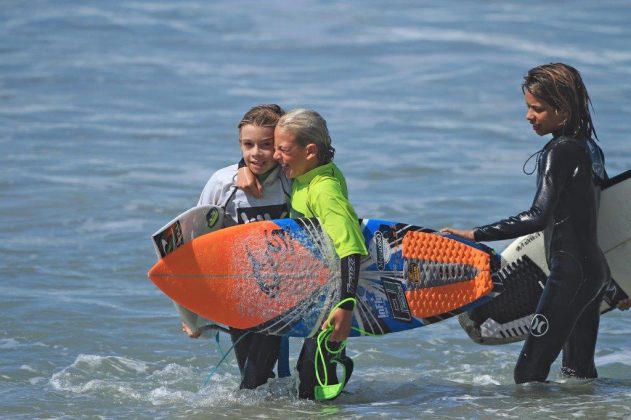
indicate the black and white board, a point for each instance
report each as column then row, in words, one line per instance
column 507, row 318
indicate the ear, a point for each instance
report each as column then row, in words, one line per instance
column 312, row 151
column 563, row 114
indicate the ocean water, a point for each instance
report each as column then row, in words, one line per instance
column 114, row 114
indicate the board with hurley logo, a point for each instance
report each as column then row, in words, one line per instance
column 282, row 276
column 509, row 317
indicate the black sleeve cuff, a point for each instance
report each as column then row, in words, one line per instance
column 350, row 277
column 348, row 305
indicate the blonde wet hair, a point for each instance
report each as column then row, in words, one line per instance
column 309, row 127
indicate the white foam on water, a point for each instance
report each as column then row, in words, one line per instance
column 485, row 380
column 36, row 380
column 12, row 343
column 165, row 396
column 615, row 330
column 461, row 372
column 118, row 377
column 63, row 296
column 82, row 375
column 121, row 378
column 21, row 110
column 9, row 343
column 505, row 42
column 123, row 226
column 622, row 357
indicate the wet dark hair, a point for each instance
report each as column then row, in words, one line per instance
column 562, row 87
column 265, row 115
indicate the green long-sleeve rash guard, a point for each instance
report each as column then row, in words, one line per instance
column 322, row 193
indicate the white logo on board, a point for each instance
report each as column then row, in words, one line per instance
column 539, row 325
column 379, row 250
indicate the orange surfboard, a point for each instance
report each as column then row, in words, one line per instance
column 282, row 276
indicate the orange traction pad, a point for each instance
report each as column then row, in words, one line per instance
column 422, row 247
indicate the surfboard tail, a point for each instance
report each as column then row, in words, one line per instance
column 444, row 274
column 505, row 318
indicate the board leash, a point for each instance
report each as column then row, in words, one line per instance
column 219, row 345
column 325, row 391
column 283, row 357
column 223, row 357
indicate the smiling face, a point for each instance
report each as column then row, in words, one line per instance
column 543, row 117
column 257, row 147
column 293, row 158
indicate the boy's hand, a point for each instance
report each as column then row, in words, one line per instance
column 189, row 332
column 467, row 234
column 341, row 321
column 249, row 183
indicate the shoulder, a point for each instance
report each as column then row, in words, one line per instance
column 594, row 148
column 219, row 182
column 566, row 149
column 227, row 173
column 565, row 155
column 330, row 173
column 329, row 181
column 223, row 176
column 566, row 144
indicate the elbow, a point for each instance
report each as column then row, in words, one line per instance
column 538, row 218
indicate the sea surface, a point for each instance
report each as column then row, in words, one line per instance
column 114, row 114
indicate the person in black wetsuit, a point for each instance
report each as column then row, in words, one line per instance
column 569, row 178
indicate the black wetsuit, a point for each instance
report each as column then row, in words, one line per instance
column 308, row 354
column 569, row 179
column 256, row 353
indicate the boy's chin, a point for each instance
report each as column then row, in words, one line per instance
column 257, row 170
